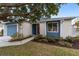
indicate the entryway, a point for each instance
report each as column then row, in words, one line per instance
column 35, row 29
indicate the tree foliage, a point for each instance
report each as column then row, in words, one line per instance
column 77, row 24
column 34, row 11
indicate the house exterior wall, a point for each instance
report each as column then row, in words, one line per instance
column 26, row 29
column 75, row 32
column 65, row 28
column 42, row 30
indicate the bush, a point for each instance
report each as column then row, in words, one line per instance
column 61, row 38
column 39, row 38
column 76, row 38
column 69, row 39
column 45, row 40
column 19, row 37
column 61, row 43
column 52, row 39
column 16, row 37
column 65, row 44
column 1, row 33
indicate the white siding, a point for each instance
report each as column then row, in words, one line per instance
column 65, row 28
column 43, row 28
column 26, row 29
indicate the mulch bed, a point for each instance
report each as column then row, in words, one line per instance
column 50, row 43
column 75, row 44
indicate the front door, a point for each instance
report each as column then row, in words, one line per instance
column 35, row 29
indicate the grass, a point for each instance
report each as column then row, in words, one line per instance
column 40, row 49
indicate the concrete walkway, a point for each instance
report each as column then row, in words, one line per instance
column 3, row 44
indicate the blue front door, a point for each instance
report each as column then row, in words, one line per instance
column 34, row 29
column 11, row 29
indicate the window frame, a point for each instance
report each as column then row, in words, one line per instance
column 56, row 27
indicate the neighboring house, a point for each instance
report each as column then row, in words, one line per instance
column 59, row 27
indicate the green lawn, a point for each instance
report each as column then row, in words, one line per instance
column 34, row 48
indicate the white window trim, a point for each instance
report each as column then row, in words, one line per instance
column 57, row 27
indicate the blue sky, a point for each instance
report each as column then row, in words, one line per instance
column 69, row 9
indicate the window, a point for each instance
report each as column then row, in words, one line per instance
column 53, row 26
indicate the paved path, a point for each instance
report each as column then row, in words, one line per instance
column 3, row 44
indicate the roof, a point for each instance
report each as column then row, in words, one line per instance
column 59, row 18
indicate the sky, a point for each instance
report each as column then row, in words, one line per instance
column 69, row 9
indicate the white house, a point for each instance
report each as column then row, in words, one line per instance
column 59, row 27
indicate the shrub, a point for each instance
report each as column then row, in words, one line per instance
column 57, row 39
column 52, row 39
column 16, row 37
column 19, row 37
column 76, row 38
column 69, row 39
column 39, row 38
column 61, row 38
column 1, row 33
column 61, row 43
column 45, row 40
column 65, row 44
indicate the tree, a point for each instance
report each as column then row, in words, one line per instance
column 32, row 11
column 77, row 24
